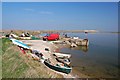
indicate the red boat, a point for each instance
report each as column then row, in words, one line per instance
column 51, row 37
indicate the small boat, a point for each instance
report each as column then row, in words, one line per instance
column 35, row 38
column 26, row 38
column 65, row 69
column 63, row 60
column 62, row 55
column 13, row 35
column 20, row 43
column 75, row 37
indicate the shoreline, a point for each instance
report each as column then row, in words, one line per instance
column 64, row 31
column 40, row 45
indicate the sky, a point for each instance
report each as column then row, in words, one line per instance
column 0, row 16
column 101, row 16
column 60, row 0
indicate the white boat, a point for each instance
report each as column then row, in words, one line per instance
column 75, row 37
column 13, row 35
column 28, row 38
column 62, row 55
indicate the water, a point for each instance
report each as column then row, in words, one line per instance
column 99, row 59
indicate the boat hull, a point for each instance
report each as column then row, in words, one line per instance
column 26, row 38
column 62, row 55
column 57, row 68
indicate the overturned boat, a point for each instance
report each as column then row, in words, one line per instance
column 61, row 68
column 20, row 43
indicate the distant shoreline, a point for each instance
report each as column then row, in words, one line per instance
column 54, row 30
column 60, row 31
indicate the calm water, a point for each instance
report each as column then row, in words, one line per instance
column 99, row 59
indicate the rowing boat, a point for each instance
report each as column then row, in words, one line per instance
column 65, row 69
column 62, row 55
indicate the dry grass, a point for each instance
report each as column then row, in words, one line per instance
column 15, row 64
column 0, row 58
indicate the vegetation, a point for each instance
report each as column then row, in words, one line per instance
column 0, row 58
column 18, row 65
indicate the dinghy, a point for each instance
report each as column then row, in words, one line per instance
column 63, row 60
column 62, row 55
column 61, row 68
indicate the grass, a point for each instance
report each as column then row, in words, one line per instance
column 0, row 58
column 18, row 65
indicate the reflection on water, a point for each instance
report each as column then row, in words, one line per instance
column 99, row 59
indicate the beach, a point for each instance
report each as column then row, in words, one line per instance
column 83, row 57
column 40, row 45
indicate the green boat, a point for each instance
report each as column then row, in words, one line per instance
column 65, row 69
column 35, row 38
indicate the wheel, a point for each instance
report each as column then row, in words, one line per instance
column 44, row 39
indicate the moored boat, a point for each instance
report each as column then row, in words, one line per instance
column 65, row 69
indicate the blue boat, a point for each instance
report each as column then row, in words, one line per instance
column 19, row 43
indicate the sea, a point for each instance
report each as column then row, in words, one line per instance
column 99, row 59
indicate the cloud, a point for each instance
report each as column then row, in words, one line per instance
column 41, row 12
column 28, row 9
column 46, row 12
